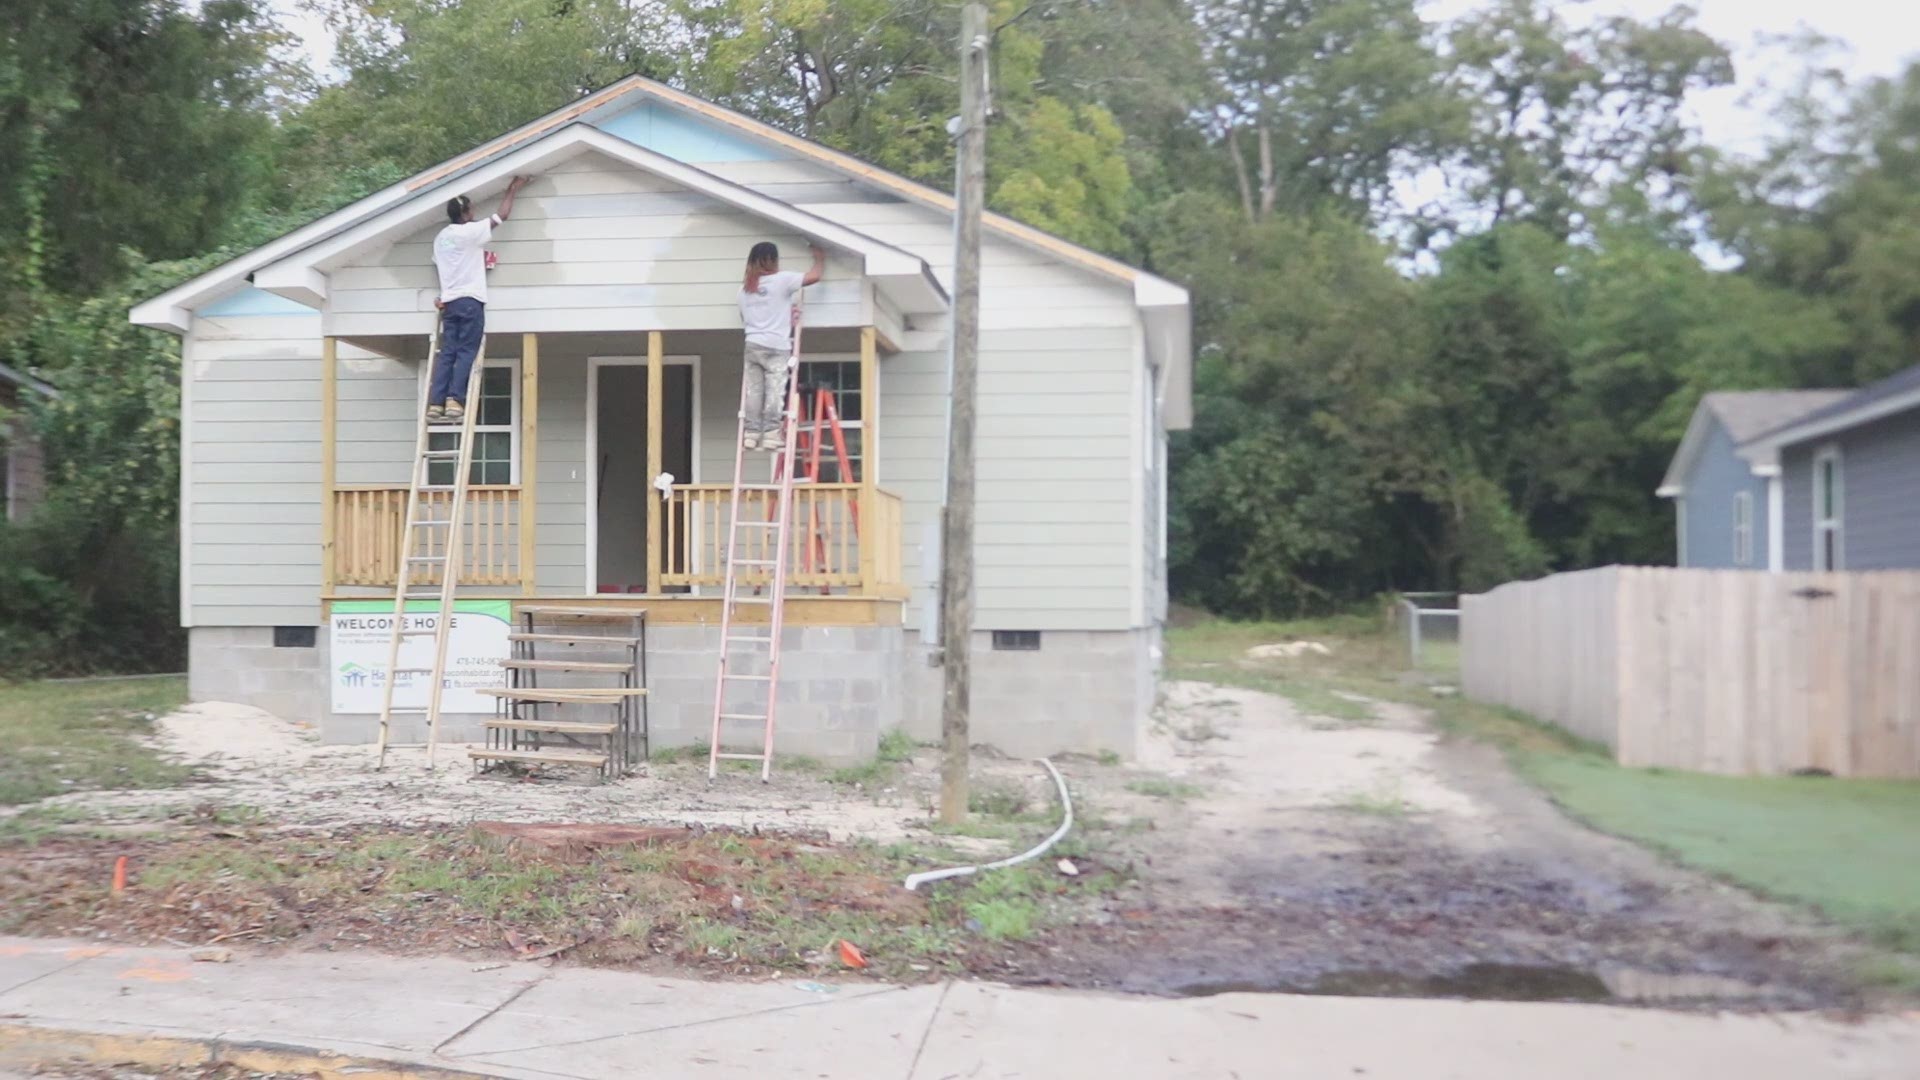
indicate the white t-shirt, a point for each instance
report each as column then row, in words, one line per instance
column 766, row 311
column 459, row 253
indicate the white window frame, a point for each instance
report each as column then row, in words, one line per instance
column 512, row 428
column 1743, row 528
column 860, row 460
column 1837, row 524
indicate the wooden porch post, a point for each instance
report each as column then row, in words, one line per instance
column 656, row 411
column 329, row 413
column 529, row 456
column 870, row 536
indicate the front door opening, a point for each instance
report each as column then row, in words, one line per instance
column 621, row 481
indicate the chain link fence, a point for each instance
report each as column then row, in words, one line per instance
column 1431, row 624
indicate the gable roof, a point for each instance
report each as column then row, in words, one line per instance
column 1747, row 413
column 171, row 309
column 1894, row 394
column 300, row 275
column 1744, row 414
column 1163, row 305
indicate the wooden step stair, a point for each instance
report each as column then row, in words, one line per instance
column 552, row 727
column 542, row 757
column 580, row 612
column 605, row 667
column 572, row 695
column 578, row 639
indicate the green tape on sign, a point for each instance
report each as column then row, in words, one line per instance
column 499, row 609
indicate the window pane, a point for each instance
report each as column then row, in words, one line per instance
column 496, row 397
column 492, row 458
column 840, row 376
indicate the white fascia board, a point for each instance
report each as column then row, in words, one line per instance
column 421, row 209
column 300, row 284
column 1674, row 483
column 1150, row 291
column 173, row 310
column 900, row 273
column 158, row 314
column 1766, row 450
column 1169, row 340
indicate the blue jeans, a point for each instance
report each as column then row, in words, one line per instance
column 463, row 322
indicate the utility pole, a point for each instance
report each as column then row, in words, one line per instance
column 956, row 544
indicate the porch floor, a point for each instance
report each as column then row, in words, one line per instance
column 664, row 609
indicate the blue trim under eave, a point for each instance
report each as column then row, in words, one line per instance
column 683, row 138
column 252, row 301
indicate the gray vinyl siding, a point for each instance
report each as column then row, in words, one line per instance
column 1880, row 493
column 1063, row 493
column 1054, row 546
column 250, row 486
column 607, row 245
column 1719, row 474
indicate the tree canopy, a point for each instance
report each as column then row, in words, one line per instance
column 1458, row 285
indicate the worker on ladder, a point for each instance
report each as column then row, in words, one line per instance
column 766, row 308
column 459, row 254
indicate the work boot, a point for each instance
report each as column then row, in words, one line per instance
column 436, row 413
column 455, row 411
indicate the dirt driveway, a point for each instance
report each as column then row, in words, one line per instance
column 1266, row 849
column 1374, row 857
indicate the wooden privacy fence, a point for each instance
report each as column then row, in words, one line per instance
column 1712, row 670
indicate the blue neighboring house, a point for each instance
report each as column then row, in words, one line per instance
column 1848, row 474
column 1723, row 507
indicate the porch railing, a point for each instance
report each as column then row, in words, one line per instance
column 368, row 523
column 834, row 542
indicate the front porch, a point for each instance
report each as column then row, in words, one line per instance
column 571, row 433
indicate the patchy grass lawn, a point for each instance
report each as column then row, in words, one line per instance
column 718, row 901
column 78, row 736
column 1162, row 787
column 1849, row 849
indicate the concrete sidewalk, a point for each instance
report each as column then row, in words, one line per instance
column 523, row 1020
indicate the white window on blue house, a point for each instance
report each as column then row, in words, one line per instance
column 1743, row 529
column 1829, row 511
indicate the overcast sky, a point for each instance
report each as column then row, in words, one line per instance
column 1882, row 35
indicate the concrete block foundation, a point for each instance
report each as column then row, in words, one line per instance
column 840, row 689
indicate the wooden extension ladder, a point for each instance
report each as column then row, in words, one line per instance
column 736, row 688
column 429, row 541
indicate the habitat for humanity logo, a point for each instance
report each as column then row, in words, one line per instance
column 352, row 674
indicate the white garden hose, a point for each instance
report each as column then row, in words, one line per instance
column 914, row 881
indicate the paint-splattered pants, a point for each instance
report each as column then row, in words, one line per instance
column 766, row 375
